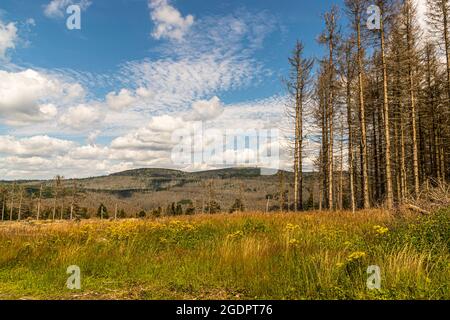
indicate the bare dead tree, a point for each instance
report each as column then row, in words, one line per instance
column 12, row 202
column 19, row 216
column 355, row 9
column 330, row 38
column 298, row 87
column 39, row 203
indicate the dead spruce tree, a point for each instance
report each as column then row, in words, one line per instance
column 387, row 8
column 347, row 70
column 409, row 31
column 330, row 38
column 39, row 204
column 355, row 10
column 298, row 87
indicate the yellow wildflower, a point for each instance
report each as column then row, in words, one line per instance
column 380, row 230
column 356, row 256
column 176, row 225
column 293, row 243
column 292, row 227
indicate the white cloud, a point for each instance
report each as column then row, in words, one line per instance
column 34, row 146
column 206, row 109
column 82, row 117
column 29, row 96
column 57, row 8
column 154, row 143
column 155, row 98
column 176, row 84
column 89, row 152
column 165, row 123
column 119, row 101
column 155, row 136
column 169, row 23
column 236, row 35
column 148, row 146
column 218, row 57
column 8, row 37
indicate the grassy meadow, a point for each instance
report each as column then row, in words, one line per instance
column 315, row 255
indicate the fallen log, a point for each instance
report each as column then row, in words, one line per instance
column 416, row 208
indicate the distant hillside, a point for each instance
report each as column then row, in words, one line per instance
column 162, row 179
column 150, row 188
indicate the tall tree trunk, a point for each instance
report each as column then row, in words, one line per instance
column 397, row 162
column 412, row 99
column 3, row 206
column 20, row 205
column 12, row 202
column 300, row 155
column 72, row 204
column 387, row 137
column 403, row 156
column 63, row 195
column 55, row 199
column 363, row 128
column 296, row 165
column 330, row 116
column 281, row 176
column 376, row 163
column 341, row 169
column 39, row 204
column 324, row 152
column 321, row 180
column 350, row 143
column 437, row 164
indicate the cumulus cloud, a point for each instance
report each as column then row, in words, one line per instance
column 34, row 147
column 149, row 146
column 203, row 110
column 30, row 96
column 155, row 136
column 57, row 8
column 120, row 101
column 8, row 37
column 169, row 23
column 155, row 142
column 165, row 123
column 89, row 152
column 82, row 117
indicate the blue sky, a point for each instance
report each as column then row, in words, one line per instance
column 105, row 98
column 116, row 31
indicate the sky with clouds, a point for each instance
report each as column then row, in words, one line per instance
column 110, row 96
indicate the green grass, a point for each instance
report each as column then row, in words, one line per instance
column 242, row 256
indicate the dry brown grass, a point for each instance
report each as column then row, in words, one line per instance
column 314, row 255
